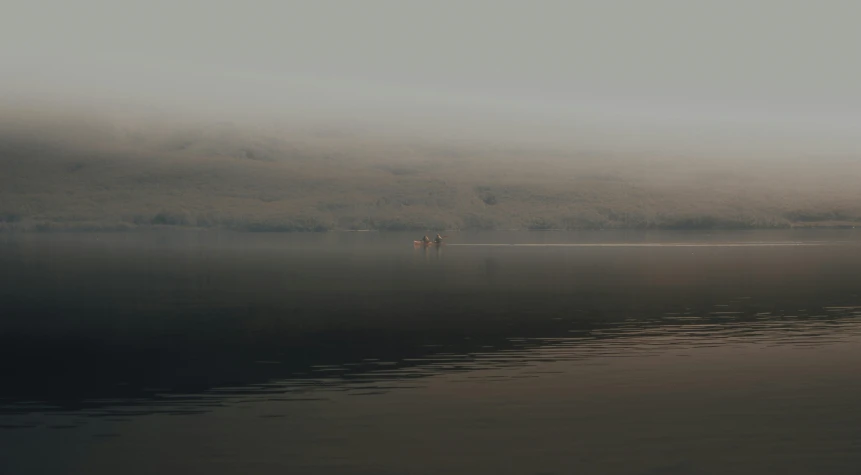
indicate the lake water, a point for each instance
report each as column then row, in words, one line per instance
column 497, row 353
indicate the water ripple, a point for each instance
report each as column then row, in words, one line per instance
column 367, row 377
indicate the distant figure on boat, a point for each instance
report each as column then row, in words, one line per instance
column 437, row 239
column 426, row 239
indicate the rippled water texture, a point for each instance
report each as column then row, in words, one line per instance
column 636, row 353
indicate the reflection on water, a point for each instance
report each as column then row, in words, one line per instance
column 110, row 329
column 726, row 325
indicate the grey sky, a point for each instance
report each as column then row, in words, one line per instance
column 779, row 67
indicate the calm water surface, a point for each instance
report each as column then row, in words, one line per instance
column 497, row 353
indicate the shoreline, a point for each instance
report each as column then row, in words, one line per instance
column 48, row 228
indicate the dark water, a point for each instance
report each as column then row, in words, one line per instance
column 636, row 353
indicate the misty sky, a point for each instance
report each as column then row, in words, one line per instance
column 775, row 67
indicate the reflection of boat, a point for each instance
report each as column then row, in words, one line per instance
column 426, row 244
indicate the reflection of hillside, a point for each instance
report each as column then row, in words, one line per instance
column 254, row 359
column 128, row 322
column 154, row 377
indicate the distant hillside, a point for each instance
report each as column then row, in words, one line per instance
column 62, row 174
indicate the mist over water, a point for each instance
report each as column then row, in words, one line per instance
column 705, row 352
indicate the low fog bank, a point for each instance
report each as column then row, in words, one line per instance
column 73, row 169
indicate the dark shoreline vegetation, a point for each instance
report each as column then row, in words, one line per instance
column 64, row 175
column 321, row 228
